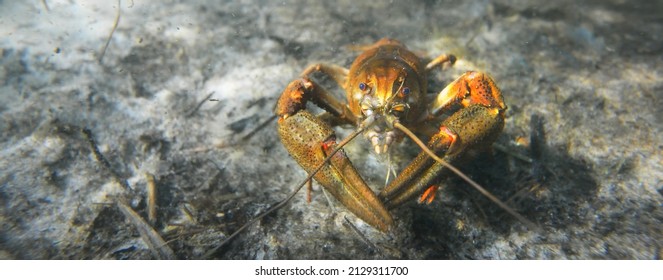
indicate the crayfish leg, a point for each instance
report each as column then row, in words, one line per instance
column 429, row 194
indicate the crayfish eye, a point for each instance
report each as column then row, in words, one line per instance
column 362, row 86
column 406, row 91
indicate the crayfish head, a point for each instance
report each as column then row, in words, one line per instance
column 384, row 98
column 385, row 88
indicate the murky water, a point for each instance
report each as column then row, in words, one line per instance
column 181, row 83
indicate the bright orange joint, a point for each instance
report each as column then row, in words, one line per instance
column 447, row 132
column 429, row 194
column 327, row 145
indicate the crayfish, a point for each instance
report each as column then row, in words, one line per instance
column 387, row 98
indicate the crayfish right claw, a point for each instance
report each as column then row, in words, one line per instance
column 310, row 141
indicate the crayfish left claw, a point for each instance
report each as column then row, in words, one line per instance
column 467, row 129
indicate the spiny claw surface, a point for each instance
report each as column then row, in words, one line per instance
column 467, row 129
column 309, row 141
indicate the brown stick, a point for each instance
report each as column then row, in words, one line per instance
column 151, row 199
column 151, row 237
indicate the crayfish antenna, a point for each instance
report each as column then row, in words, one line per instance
column 467, row 179
column 285, row 201
column 248, row 136
column 258, row 128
